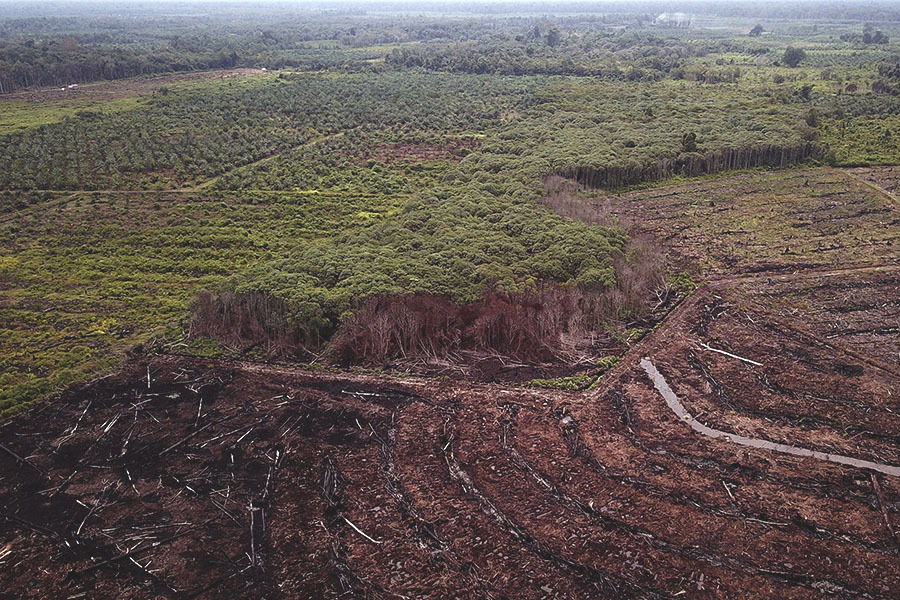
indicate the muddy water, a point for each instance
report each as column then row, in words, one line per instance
column 683, row 415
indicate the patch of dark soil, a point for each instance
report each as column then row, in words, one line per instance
column 242, row 480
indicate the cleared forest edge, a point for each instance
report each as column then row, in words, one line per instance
column 552, row 324
column 693, row 164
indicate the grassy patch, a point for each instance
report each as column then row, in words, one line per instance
column 22, row 115
column 776, row 220
column 87, row 278
column 572, row 384
column 863, row 141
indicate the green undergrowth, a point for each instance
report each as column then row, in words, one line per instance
column 21, row 115
column 681, row 281
column 573, row 383
column 605, row 363
column 863, row 141
column 88, row 278
column 581, row 381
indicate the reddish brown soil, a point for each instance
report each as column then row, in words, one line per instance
column 809, row 392
column 484, row 367
column 373, row 487
column 856, row 310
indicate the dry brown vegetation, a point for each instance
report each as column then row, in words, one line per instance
column 553, row 324
column 783, row 220
column 550, row 324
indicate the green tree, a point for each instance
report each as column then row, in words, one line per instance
column 554, row 37
column 793, row 56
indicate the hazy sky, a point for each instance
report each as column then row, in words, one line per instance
column 674, row 4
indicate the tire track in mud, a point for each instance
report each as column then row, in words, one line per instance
column 589, row 576
column 637, row 532
column 513, row 569
column 675, row 405
column 571, row 435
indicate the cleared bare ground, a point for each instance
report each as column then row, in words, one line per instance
column 885, row 178
column 224, row 480
column 765, row 222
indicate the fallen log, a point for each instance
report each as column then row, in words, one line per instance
column 24, row 461
column 746, row 360
column 884, row 514
column 361, row 532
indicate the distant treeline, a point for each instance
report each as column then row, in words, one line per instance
column 41, row 52
column 872, row 10
column 27, row 66
column 613, row 40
